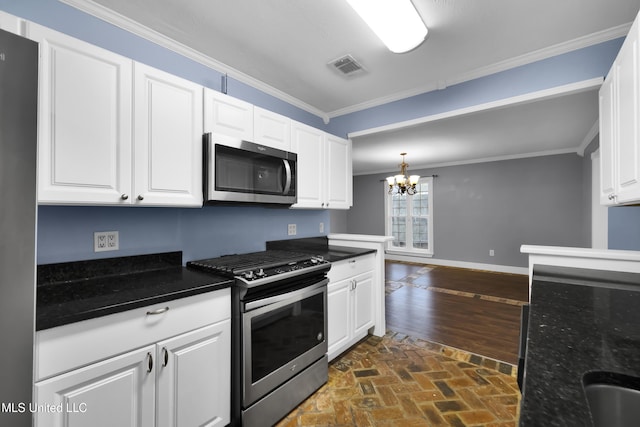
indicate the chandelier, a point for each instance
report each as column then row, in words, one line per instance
column 400, row 184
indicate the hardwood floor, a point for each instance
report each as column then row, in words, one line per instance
column 475, row 311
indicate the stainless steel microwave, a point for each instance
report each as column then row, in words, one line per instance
column 242, row 171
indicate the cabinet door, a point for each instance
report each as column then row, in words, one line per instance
column 627, row 111
column 271, row 129
column 339, row 176
column 308, row 143
column 194, row 378
column 115, row 392
column 228, row 116
column 338, row 317
column 9, row 23
column 363, row 304
column 608, row 135
column 84, row 132
column 168, row 139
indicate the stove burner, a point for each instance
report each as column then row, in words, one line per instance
column 262, row 267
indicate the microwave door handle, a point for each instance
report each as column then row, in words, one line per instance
column 287, row 172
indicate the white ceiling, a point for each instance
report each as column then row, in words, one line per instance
column 284, row 46
column 539, row 124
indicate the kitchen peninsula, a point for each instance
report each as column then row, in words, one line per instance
column 582, row 331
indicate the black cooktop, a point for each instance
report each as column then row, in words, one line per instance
column 263, row 267
column 237, row 264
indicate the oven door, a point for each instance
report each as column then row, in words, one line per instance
column 282, row 335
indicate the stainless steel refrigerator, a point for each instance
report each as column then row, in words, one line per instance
column 18, row 141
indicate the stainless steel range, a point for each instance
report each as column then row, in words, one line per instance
column 279, row 324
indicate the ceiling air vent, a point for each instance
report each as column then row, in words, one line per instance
column 347, row 65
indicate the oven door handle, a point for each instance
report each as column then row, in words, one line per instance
column 297, row 294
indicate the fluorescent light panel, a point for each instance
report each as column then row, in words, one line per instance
column 396, row 22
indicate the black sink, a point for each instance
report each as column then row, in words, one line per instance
column 614, row 399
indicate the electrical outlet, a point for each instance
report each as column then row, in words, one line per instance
column 106, row 241
column 291, row 230
column 491, row 252
column 322, row 227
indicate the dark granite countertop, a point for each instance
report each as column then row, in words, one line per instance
column 319, row 246
column 581, row 321
column 75, row 291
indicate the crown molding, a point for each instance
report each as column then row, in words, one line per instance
column 595, row 130
column 538, row 55
column 92, row 8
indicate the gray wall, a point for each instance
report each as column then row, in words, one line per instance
column 497, row 205
column 338, row 220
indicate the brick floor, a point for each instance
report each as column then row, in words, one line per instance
column 400, row 381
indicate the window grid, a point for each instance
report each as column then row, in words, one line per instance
column 408, row 219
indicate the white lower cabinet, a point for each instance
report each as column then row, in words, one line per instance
column 350, row 303
column 179, row 380
column 191, row 369
column 115, row 392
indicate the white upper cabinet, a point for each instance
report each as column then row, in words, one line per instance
column 168, row 139
column 9, row 23
column 84, row 135
column 93, row 149
column 271, row 129
column 308, row 143
column 324, row 168
column 225, row 115
column 608, row 138
column 339, row 173
column 619, row 126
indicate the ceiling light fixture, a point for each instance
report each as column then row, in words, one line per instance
column 400, row 184
column 396, row 22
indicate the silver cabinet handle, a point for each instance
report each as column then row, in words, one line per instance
column 149, row 363
column 157, row 311
column 140, row 197
column 124, row 196
column 612, row 196
column 165, row 355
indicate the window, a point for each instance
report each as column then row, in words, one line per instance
column 409, row 219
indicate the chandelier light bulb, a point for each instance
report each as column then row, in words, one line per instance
column 400, row 184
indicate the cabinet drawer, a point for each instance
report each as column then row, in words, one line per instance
column 351, row 267
column 72, row 346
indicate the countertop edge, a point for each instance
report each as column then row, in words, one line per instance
column 44, row 324
column 361, row 237
column 611, row 254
